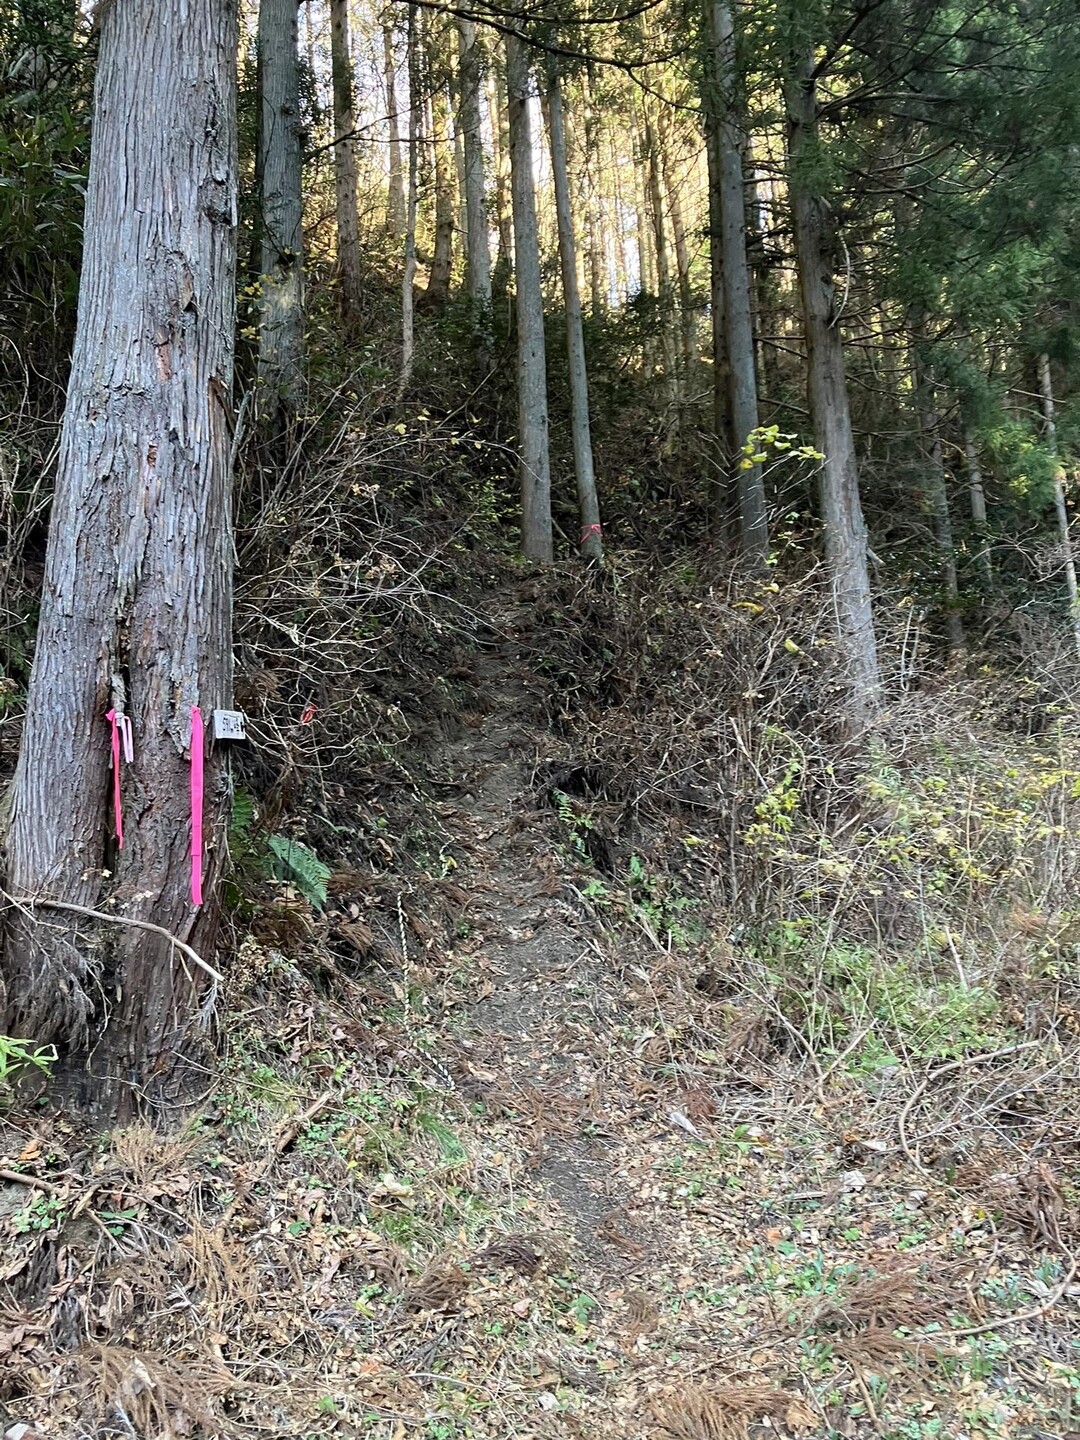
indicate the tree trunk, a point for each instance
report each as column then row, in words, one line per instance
column 1046, row 391
column 655, row 200
column 627, row 244
column 977, row 498
column 438, row 286
column 395, row 191
column 723, row 444
column 477, row 251
column 137, row 602
column 597, row 257
column 345, row 196
column 646, row 242
column 535, row 473
column 841, row 507
column 591, row 539
column 500, row 139
column 730, row 210
column 408, row 280
column 281, row 303
column 688, row 319
column 929, row 423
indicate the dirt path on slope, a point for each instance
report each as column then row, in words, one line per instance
column 544, row 1028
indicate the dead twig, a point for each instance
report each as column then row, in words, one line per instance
column 1024, row 1315
column 920, row 1089
column 40, row 903
column 15, row 1177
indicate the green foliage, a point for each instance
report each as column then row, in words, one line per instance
column 576, row 821
column 45, row 71
column 298, row 864
column 258, row 857
column 39, row 1214
column 19, row 1056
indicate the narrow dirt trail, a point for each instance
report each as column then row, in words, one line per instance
column 541, row 1036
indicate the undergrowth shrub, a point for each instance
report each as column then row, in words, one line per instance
column 881, row 888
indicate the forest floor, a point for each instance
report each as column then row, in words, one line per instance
column 544, row 1167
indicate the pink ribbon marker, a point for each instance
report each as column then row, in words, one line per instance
column 118, row 812
column 591, row 530
column 196, row 804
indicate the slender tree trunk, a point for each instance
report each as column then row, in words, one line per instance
column 646, row 240
column 408, row 281
column 462, row 217
column 625, row 243
column 137, row 601
column 1046, row 391
column 438, row 286
column 477, row 245
column 977, row 497
column 535, row 472
column 655, row 204
column 723, row 446
column 500, row 137
column 730, row 210
column 766, row 321
column 687, row 317
column 597, row 257
column 281, row 306
column 841, row 507
column 348, row 215
column 929, row 424
column 395, row 193
column 591, row 539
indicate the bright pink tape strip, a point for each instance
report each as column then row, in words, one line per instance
column 118, row 812
column 591, row 530
column 196, row 804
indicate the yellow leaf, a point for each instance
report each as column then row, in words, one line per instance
column 791, row 647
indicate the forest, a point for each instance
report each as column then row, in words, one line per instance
column 539, row 751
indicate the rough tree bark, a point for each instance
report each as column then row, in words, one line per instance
column 841, row 506
column 345, row 188
column 534, row 464
column 137, row 600
column 1046, row 392
column 729, row 210
column 591, row 538
column 281, row 266
column 395, row 191
column 477, row 246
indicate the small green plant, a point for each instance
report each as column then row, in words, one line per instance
column 43, row 1212
column 660, row 906
column 117, row 1221
column 300, row 866
column 577, row 824
column 21, row 1055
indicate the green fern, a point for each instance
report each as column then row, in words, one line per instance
column 300, row 866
